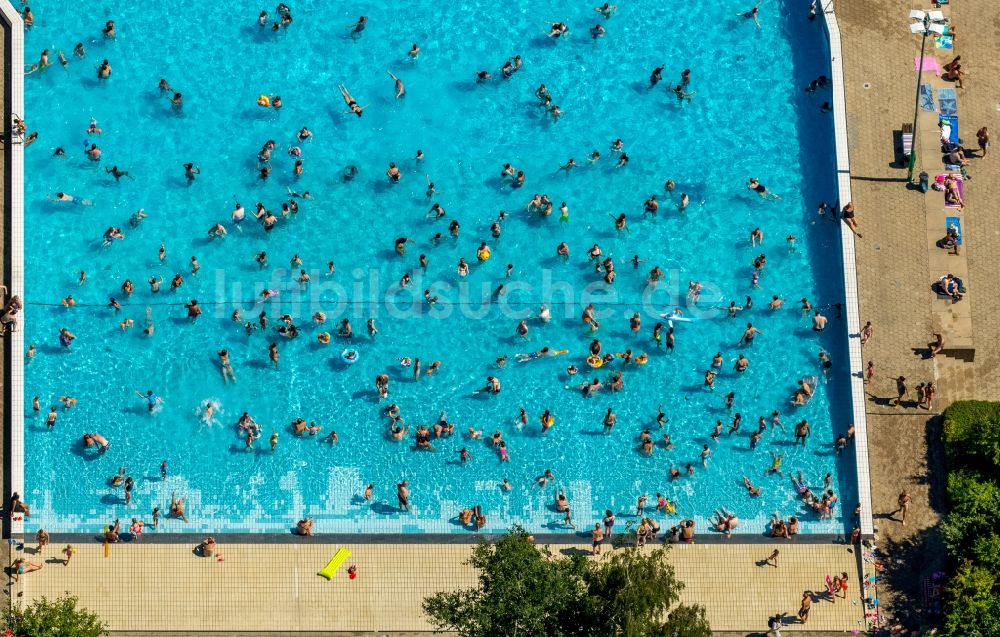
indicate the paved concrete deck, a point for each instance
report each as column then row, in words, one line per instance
column 897, row 261
column 273, row 588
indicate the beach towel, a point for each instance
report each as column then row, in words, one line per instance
column 927, row 98
column 948, row 101
column 944, row 42
column 930, row 64
column 949, row 128
column 961, row 188
column 956, row 223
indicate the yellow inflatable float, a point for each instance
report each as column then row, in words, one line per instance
column 331, row 567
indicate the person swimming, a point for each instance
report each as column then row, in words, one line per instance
column 352, row 104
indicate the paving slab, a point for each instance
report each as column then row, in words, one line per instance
column 274, row 588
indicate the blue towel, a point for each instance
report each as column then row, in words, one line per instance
column 954, row 221
column 953, row 120
column 948, row 101
column 927, row 98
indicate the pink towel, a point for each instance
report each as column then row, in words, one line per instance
column 930, row 64
column 961, row 191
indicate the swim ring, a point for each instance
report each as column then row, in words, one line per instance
column 483, row 254
column 641, row 359
column 264, row 101
column 594, row 361
column 349, row 356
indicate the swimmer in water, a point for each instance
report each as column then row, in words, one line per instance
column 400, row 89
column 60, row 197
column 761, row 189
column 352, row 104
column 752, row 14
column 357, row 27
column 208, row 410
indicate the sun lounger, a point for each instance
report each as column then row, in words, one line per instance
column 907, row 140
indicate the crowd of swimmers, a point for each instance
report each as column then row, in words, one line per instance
column 662, row 334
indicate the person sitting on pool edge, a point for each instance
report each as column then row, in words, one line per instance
column 207, row 547
column 304, row 527
column 112, row 534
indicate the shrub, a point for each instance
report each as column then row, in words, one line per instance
column 974, row 503
column 972, row 445
column 58, row 618
column 972, row 435
column 972, row 603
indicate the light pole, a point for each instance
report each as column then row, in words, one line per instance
column 925, row 23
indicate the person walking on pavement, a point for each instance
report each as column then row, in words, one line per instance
column 774, row 625
column 805, row 606
column 903, row 502
column 900, row 390
column 772, row 559
column 866, row 332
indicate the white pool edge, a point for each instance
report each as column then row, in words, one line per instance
column 851, row 308
column 15, row 243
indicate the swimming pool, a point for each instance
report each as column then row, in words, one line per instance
column 749, row 117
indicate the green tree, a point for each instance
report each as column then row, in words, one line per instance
column 972, row 603
column 686, row 621
column 974, row 503
column 520, row 592
column 524, row 590
column 630, row 593
column 972, row 445
column 59, row 618
column 986, row 552
column 972, row 435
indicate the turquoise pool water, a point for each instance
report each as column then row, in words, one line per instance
column 749, row 117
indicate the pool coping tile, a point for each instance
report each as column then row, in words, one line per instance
column 14, row 175
column 847, row 239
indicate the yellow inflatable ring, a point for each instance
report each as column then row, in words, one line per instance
column 594, row 361
column 264, row 101
column 641, row 359
column 484, row 254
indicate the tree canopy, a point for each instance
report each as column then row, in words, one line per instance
column 972, row 446
column 58, row 618
column 524, row 590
